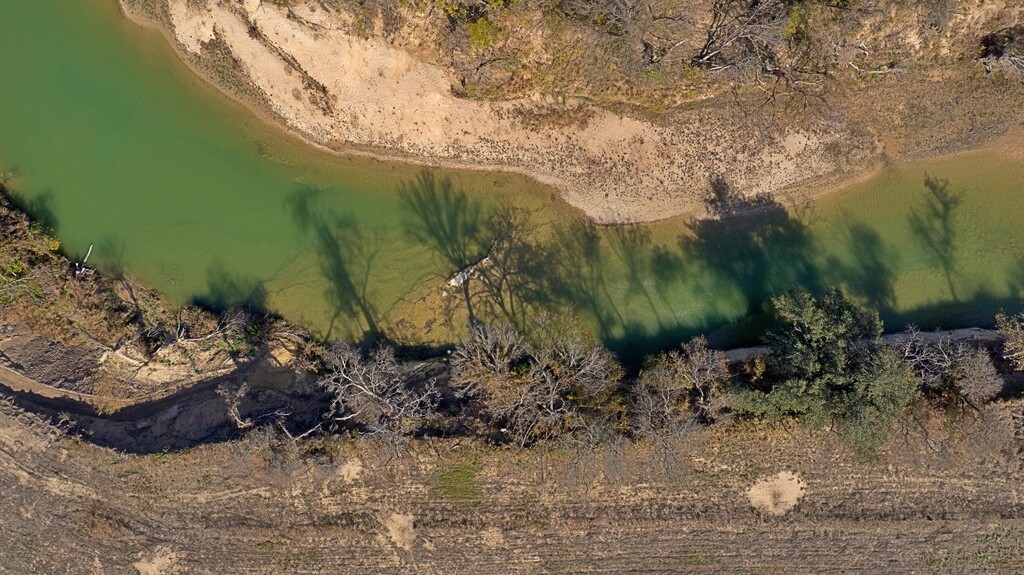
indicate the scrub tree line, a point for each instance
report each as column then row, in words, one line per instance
column 827, row 367
column 547, row 379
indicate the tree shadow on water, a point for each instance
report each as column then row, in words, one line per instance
column 975, row 310
column 578, row 275
column 449, row 223
column 730, row 264
column 647, row 268
column 1016, row 274
column 346, row 252
column 225, row 290
column 760, row 249
column 512, row 273
column 39, row 208
column 869, row 276
column 110, row 251
column 934, row 226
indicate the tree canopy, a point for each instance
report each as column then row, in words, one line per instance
column 830, row 368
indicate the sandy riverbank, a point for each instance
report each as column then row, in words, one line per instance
column 358, row 94
column 303, row 69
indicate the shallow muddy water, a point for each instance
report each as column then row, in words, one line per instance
column 115, row 144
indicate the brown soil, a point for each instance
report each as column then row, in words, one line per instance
column 47, row 361
column 945, row 501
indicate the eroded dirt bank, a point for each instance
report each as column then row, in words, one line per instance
column 260, row 392
column 312, row 68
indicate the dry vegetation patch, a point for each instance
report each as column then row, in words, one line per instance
column 401, row 529
column 944, row 501
column 161, row 561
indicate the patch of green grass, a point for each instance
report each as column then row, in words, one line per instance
column 268, row 545
column 481, row 33
column 458, row 482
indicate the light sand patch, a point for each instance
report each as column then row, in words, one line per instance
column 493, row 537
column 208, row 498
column 283, row 87
column 282, row 356
column 161, row 561
column 192, row 27
column 350, row 470
column 777, row 495
column 68, row 489
column 401, row 530
column 378, row 96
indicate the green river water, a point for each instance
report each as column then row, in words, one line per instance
column 115, row 144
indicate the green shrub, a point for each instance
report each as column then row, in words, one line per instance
column 828, row 367
column 481, row 33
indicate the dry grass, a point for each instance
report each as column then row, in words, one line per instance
column 948, row 503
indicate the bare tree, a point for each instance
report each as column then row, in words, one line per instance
column 565, row 351
column 673, row 383
column 765, row 41
column 655, row 409
column 487, row 358
column 977, row 379
column 28, row 283
column 371, row 392
column 1011, row 327
column 193, row 325
column 933, row 360
column 703, row 370
column 1004, row 49
column 945, row 366
column 616, row 17
column 509, row 274
column 737, row 27
column 536, row 391
column 232, row 396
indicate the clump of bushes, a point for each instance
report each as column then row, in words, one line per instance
column 559, row 382
column 481, row 33
column 950, row 371
column 677, row 389
column 827, row 368
column 371, row 392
